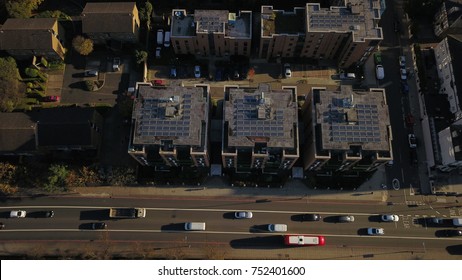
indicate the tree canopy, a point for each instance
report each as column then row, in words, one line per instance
column 9, row 84
column 21, row 8
column 82, row 45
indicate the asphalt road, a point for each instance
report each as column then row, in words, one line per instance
column 164, row 224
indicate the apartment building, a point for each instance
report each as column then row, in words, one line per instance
column 117, row 21
column 346, row 34
column 346, row 130
column 170, row 126
column 25, row 38
column 211, row 32
column 450, row 143
column 447, row 19
column 260, row 129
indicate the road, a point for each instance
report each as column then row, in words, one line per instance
column 164, row 224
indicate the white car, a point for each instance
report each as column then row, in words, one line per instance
column 243, row 215
column 346, row 219
column 18, row 214
column 403, row 74
column 287, row 71
column 197, row 71
column 379, row 72
column 389, row 218
column 402, row 61
column 375, row 231
column 116, row 64
column 412, row 141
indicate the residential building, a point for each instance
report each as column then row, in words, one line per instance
column 51, row 130
column 118, row 21
column 170, row 126
column 211, row 32
column 260, row 129
column 346, row 34
column 448, row 18
column 25, row 38
column 346, row 131
column 450, row 144
column 448, row 55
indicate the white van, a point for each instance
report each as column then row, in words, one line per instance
column 194, row 226
column 160, row 36
column 277, row 227
column 167, row 39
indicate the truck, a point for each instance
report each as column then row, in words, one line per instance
column 457, row 222
column 304, row 240
column 127, row 213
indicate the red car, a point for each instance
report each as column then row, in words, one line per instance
column 52, row 98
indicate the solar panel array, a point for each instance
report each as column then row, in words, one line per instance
column 153, row 122
column 366, row 129
column 246, row 120
column 335, row 21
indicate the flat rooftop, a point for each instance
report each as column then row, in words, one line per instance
column 261, row 115
column 182, row 24
column 239, row 26
column 282, row 22
column 348, row 118
column 171, row 113
column 359, row 17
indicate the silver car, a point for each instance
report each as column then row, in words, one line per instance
column 243, row 215
column 390, row 218
column 375, row 231
column 346, row 219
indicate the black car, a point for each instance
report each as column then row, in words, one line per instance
column 311, row 217
column 451, row 232
column 98, row 225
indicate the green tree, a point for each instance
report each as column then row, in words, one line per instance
column 146, row 12
column 141, row 56
column 9, row 84
column 21, row 8
column 57, row 178
column 82, row 45
column 53, row 14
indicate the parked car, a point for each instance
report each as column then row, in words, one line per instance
column 197, row 71
column 287, row 71
column 402, row 61
column 347, row 76
column 2, row 226
column 98, row 225
column 18, row 214
column 410, row 120
column 158, row 52
column 116, row 64
column 404, row 87
column 311, row 217
column 378, row 58
column 91, row 73
column 389, row 218
column 379, row 72
column 403, row 74
column 243, row 215
column 412, row 141
column 375, row 231
column 51, row 98
column 173, row 72
column 346, row 219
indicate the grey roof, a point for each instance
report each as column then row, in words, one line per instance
column 182, row 24
column 261, row 115
column 17, row 132
column 347, row 118
column 175, row 113
column 32, row 33
column 114, row 17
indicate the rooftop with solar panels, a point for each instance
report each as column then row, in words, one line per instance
column 170, row 113
column 261, row 115
column 347, row 117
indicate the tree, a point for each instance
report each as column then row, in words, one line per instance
column 53, row 14
column 146, row 12
column 21, row 8
column 82, row 45
column 9, row 84
column 57, row 178
column 141, row 56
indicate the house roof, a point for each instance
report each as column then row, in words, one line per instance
column 65, row 127
column 109, row 17
column 32, row 33
column 17, row 132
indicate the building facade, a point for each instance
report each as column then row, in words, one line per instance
column 346, row 34
column 448, row 18
column 211, row 32
column 25, row 38
column 118, row 21
column 260, row 129
column 346, row 130
column 170, row 126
